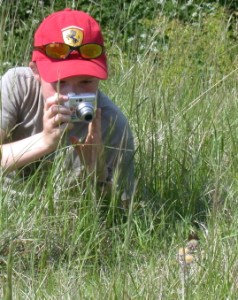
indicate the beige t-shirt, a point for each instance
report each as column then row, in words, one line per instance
column 22, row 113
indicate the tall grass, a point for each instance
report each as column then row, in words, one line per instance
column 181, row 101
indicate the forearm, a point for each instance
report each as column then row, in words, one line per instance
column 23, row 152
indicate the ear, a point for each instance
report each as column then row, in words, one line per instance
column 35, row 71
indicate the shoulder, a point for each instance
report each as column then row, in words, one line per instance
column 18, row 73
column 18, row 80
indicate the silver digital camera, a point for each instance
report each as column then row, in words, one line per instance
column 83, row 106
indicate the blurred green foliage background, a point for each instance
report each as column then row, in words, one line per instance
column 123, row 22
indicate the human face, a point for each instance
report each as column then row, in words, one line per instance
column 77, row 84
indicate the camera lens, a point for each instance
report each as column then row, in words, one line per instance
column 85, row 111
column 88, row 118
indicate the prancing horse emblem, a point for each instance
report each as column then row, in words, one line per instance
column 72, row 35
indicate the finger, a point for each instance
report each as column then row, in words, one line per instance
column 56, row 99
column 58, row 109
column 59, row 119
column 94, row 127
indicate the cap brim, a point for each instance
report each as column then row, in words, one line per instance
column 54, row 70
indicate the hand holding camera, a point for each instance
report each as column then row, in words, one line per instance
column 56, row 119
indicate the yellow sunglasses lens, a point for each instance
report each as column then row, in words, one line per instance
column 91, row 50
column 57, row 50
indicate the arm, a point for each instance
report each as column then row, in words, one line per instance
column 23, row 152
column 56, row 121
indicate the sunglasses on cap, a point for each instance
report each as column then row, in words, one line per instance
column 62, row 51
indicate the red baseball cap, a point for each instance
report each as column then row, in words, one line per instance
column 58, row 27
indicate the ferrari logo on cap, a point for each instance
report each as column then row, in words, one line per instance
column 73, row 35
